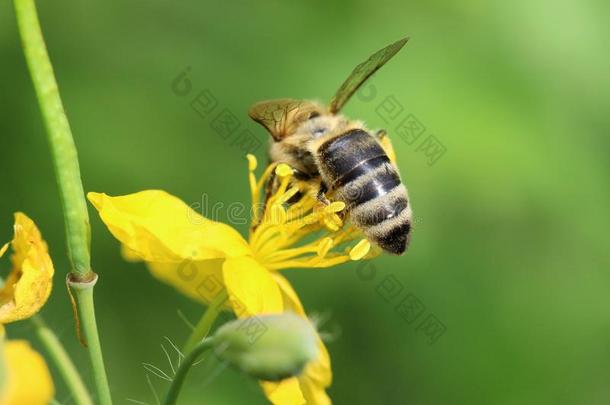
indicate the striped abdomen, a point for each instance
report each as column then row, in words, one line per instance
column 357, row 171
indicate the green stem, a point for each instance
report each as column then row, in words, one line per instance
column 62, row 361
column 60, row 139
column 202, row 329
column 65, row 160
column 183, row 370
column 83, row 293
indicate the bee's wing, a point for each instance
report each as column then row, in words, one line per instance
column 362, row 72
column 281, row 117
column 273, row 115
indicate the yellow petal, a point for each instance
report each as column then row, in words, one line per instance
column 290, row 298
column 285, row 392
column 252, row 289
column 313, row 394
column 28, row 380
column 130, row 255
column 317, row 375
column 199, row 280
column 158, row 227
column 27, row 287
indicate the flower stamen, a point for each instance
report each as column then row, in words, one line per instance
column 274, row 239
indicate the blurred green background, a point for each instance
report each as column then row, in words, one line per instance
column 510, row 249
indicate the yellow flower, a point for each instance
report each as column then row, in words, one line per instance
column 29, row 283
column 27, row 379
column 197, row 255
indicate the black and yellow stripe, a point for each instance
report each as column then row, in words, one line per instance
column 357, row 171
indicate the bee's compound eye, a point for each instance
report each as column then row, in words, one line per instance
column 313, row 115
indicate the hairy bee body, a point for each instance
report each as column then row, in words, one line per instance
column 357, row 171
column 342, row 157
column 354, row 168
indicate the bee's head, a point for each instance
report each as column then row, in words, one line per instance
column 282, row 117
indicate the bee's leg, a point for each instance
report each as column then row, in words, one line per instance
column 298, row 175
column 321, row 194
column 270, row 187
column 323, row 199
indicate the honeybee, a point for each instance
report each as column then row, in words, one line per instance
column 344, row 159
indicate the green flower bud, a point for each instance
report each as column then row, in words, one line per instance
column 268, row 347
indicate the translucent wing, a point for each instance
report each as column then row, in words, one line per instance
column 362, row 72
column 282, row 117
